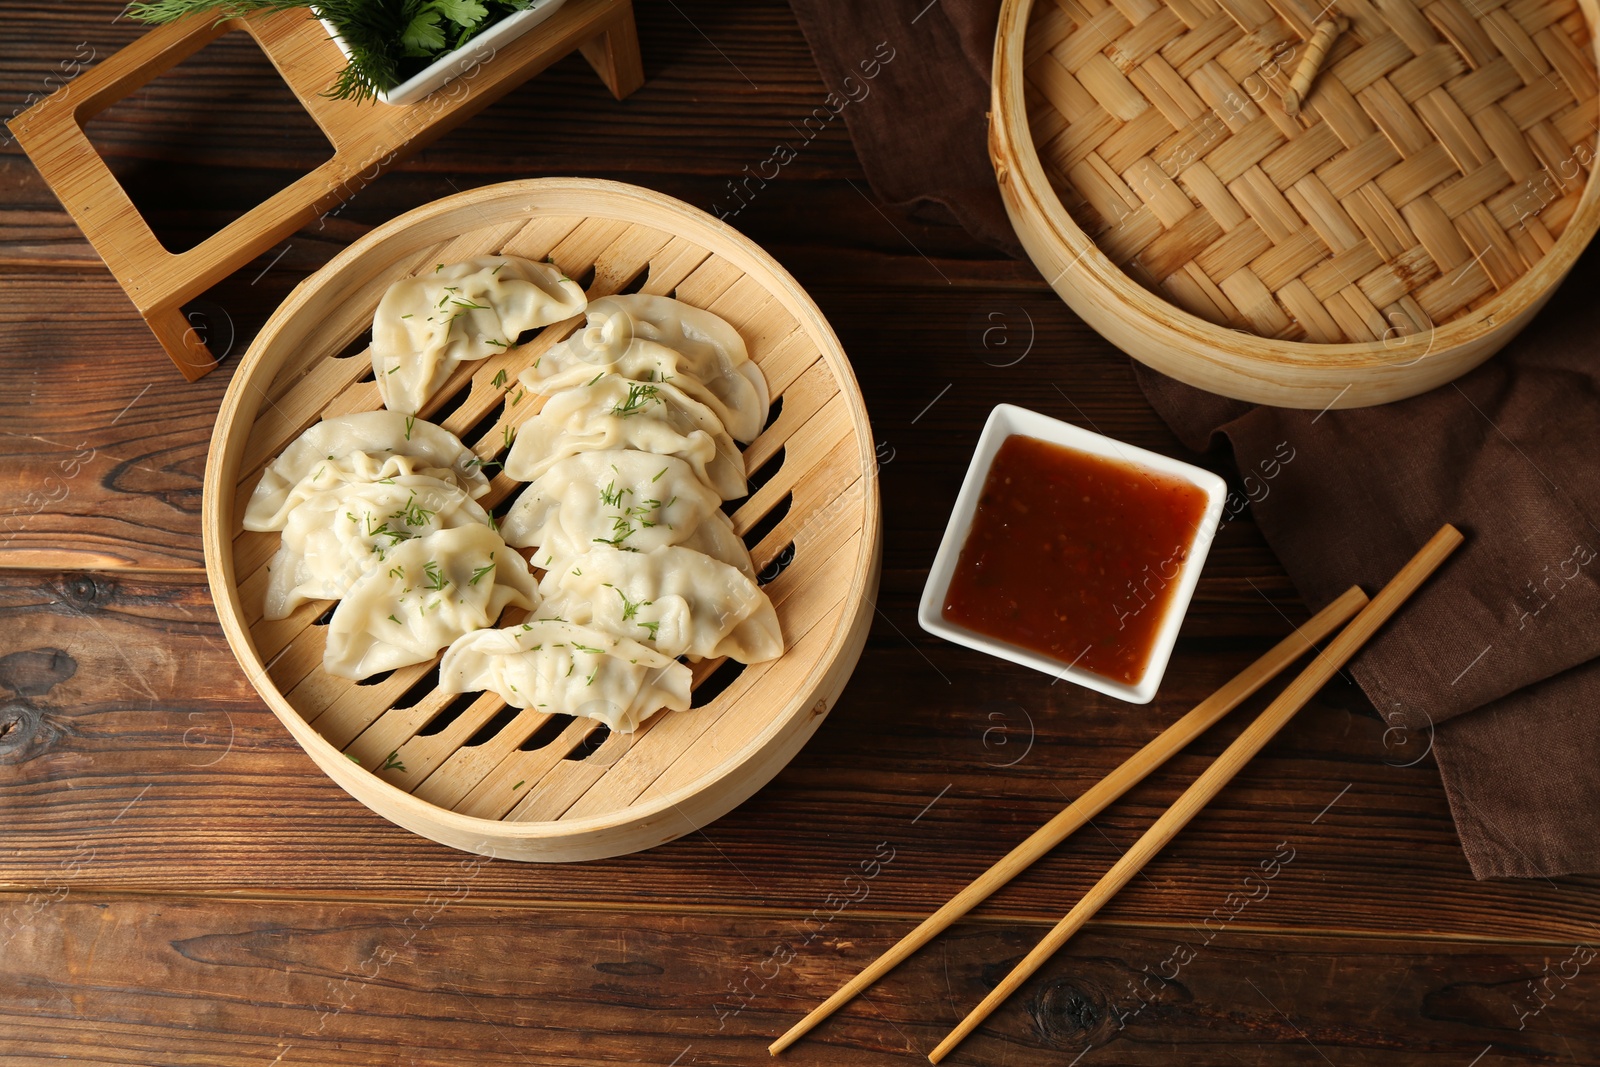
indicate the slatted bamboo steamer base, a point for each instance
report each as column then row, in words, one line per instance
column 467, row 771
column 1433, row 191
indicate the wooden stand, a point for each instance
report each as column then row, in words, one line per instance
column 366, row 138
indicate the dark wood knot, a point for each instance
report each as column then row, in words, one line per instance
column 24, row 731
column 83, row 592
column 1069, row 1013
column 36, row 671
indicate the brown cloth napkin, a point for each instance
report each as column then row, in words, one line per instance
column 920, row 130
column 1496, row 663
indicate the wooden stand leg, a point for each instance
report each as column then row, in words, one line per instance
column 614, row 54
column 182, row 342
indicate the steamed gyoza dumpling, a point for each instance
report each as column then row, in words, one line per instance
column 673, row 323
column 703, row 336
column 733, row 396
column 334, row 537
column 636, row 337
column 427, row 324
column 626, row 499
column 364, row 446
column 426, row 593
column 567, row 669
column 612, row 413
column 674, row 599
column 716, row 537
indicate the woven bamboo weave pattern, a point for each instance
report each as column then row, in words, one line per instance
column 1440, row 153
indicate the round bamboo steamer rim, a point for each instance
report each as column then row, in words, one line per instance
column 816, row 453
column 1232, row 362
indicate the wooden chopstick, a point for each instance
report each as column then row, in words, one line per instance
column 1166, row 744
column 1209, row 784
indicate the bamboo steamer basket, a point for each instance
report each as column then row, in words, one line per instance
column 467, row 771
column 1431, row 193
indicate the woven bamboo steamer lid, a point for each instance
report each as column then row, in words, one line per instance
column 1424, row 200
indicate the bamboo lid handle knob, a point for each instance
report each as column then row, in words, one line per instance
column 1322, row 38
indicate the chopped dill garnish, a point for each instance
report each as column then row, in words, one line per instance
column 411, row 420
column 499, row 379
column 639, row 397
column 413, row 514
column 630, row 608
column 508, row 435
column 392, row 762
column 394, row 620
column 436, row 580
column 479, row 572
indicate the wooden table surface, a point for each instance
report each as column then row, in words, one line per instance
column 179, row 884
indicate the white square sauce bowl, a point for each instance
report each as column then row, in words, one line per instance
column 1169, row 595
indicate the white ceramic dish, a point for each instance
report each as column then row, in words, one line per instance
column 1005, row 421
column 454, row 64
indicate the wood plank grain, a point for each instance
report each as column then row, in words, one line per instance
column 135, row 759
column 724, row 85
column 147, row 745
column 452, row 980
column 105, row 455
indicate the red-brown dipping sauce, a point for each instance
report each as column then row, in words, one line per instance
column 1074, row 556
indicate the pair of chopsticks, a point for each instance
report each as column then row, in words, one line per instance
column 1367, row 618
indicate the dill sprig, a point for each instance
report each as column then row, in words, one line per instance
column 640, row 396
column 412, row 514
column 630, row 608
